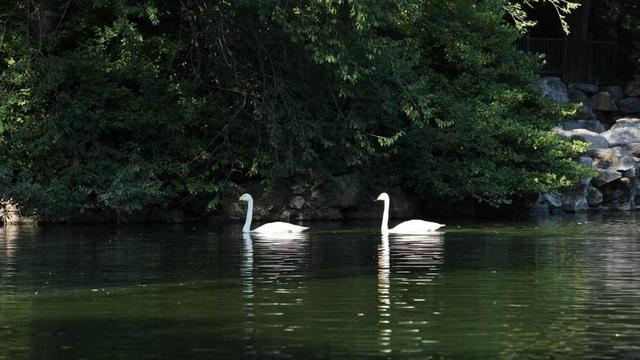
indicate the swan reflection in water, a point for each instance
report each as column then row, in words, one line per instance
column 246, row 273
column 271, row 270
column 279, row 256
column 404, row 263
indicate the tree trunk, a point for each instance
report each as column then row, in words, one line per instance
column 580, row 21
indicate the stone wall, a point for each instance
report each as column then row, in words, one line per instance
column 344, row 197
column 608, row 119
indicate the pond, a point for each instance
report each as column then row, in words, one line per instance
column 558, row 287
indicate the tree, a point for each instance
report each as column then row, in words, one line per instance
column 129, row 107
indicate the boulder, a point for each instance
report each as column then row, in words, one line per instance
column 402, row 206
column 342, row 192
column 626, row 122
column 616, row 92
column 298, row 189
column 584, row 87
column 339, row 198
column 629, row 105
column 545, row 204
column 630, row 173
column 603, row 101
column 614, row 158
column 594, row 196
column 578, row 97
column 619, row 194
column 586, row 161
column 622, row 135
column 605, row 176
column 594, row 139
column 575, row 198
column 553, row 88
column 574, row 203
column 553, row 199
column 632, row 88
column 591, row 125
column 297, row 202
column 324, row 214
column 633, row 149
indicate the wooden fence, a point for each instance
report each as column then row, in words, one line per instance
column 572, row 60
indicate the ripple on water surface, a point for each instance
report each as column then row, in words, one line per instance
column 562, row 287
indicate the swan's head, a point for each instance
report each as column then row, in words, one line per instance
column 245, row 197
column 383, row 197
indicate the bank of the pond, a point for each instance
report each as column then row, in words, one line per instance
column 608, row 119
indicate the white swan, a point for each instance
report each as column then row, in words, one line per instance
column 277, row 227
column 407, row 227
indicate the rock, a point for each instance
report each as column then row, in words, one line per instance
column 553, row 199
column 575, row 199
column 574, row 203
column 606, row 176
column 578, row 97
column 622, row 136
column 614, row 158
column 286, row 215
column 297, row 202
column 630, row 173
column 633, row 189
column 603, row 101
column 616, row 92
column 591, row 125
column 625, row 131
column 586, row 161
column 632, row 88
column 553, row 88
column 584, row 87
column 327, row 214
column 341, row 192
column 545, row 204
column 539, row 209
column 594, row 196
column 629, row 105
column 626, row 122
column 618, row 195
column 633, row 149
column 297, row 189
column 594, row 139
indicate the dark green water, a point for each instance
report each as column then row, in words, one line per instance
column 565, row 287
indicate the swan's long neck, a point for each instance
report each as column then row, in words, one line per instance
column 384, row 228
column 247, row 222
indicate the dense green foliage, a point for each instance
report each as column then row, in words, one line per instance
column 620, row 20
column 116, row 107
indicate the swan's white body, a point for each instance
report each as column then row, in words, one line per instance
column 411, row 227
column 277, row 227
